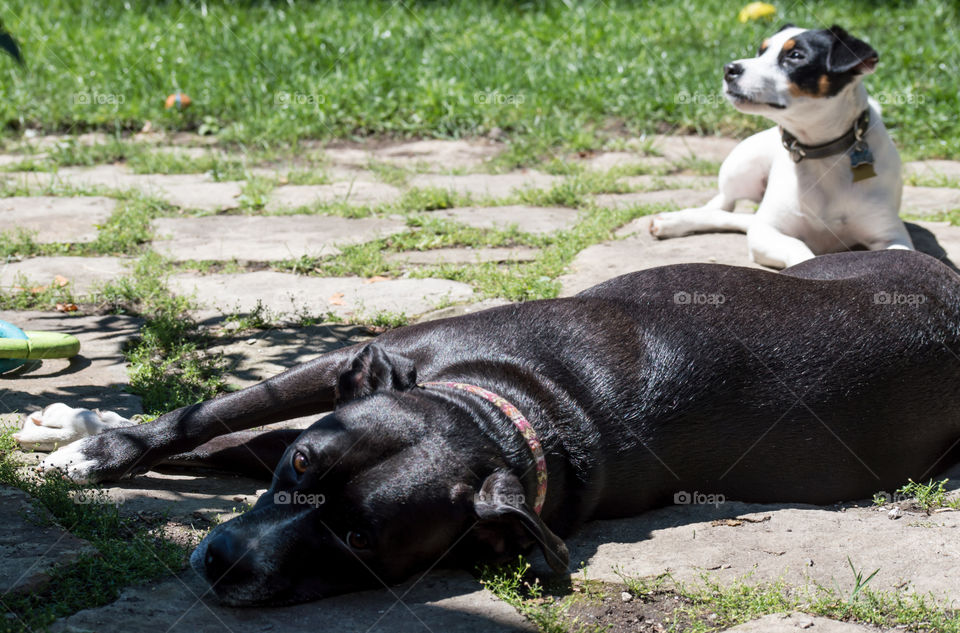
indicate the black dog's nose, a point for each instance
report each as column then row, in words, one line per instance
column 227, row 560
column 732, row 70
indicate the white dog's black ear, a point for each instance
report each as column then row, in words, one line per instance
column 374, row 369
column 504, row 515
column 847, row 54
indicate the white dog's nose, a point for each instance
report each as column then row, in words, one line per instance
column 732, row 70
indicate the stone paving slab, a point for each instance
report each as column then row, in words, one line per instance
column 929, row 200
column 83, row 273
column 674, row 198
column 463, row 256
column 947, row 168
column 777, row 541
column 461, row 309
column 647, row 182
column 679, row 148
column 792, row 622
column 346, row 297
column 188, row 191
column 491, row 185
column 447, row 601
column 641, row 250
column 95, row 378
column 264, row 238
column 604, row 161
column 255, row 356
column 357, row 192
column 30, row 548
column 52, row 219
column 535, row 220
column 434, row 154
column 191, row 499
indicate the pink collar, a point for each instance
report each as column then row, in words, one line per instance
column 525, row 428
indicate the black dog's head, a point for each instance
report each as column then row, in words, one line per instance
column 394, row 481
column 797, row 68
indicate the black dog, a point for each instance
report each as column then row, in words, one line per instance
column 829, row 381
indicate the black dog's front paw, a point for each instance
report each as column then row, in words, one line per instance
column 109, row 456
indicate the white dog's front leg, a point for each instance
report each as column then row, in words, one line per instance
column 769, row 247
column 714, row 216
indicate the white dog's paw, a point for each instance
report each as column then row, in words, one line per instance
column 666, row 225
column 72, row 462
column 59, row 425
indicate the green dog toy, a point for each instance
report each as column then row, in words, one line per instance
column 17, row 346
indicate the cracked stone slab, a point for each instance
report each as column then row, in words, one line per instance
column 536, row 220
column 934, row 168
column 463, row 256
column 793, row 622
column 264, row 238
column 54, row 219
column 442, row 601
column 675, row 198
column 357, row 192
column 346, row 297
column 95, row 378
column 487, row 185
column 433, row 154
column 929, row 200
column 30, row 547
column 84, row 273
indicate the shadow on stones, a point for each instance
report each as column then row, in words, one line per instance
column 926, row 242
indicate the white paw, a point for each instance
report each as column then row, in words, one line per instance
column 72, row 462
column 59, row 425
column 663, row 226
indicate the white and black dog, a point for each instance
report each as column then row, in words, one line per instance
column 827, row 177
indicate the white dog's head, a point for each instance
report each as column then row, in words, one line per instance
column 798, row 69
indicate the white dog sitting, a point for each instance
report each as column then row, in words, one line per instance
column 58, row 425
column 827, row 178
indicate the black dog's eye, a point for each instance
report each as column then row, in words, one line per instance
column 795, row 54
column 300, row 462
column 358, row 540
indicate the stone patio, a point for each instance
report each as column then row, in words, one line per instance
column 733, row 541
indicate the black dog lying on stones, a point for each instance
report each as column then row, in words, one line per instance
column 482, row 436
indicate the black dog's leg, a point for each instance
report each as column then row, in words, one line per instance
column 251, row 453
column 304, row 390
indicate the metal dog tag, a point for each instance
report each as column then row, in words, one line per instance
column 861, row 162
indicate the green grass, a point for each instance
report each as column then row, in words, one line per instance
column 128, row 553
column 547, row 73
column 707, row 605
column 168, row 365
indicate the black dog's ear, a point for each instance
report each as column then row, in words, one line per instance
column 501, row 507
column 847, row 53
column 374, row 369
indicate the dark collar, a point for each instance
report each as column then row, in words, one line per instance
column 799, row 151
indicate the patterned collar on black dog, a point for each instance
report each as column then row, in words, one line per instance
column 519, row 421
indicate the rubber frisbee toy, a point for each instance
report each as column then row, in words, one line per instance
column 17, row 346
